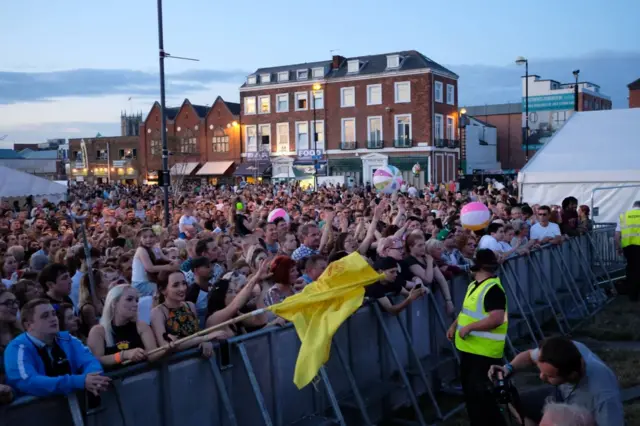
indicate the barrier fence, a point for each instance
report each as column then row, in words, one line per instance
column 378, row 362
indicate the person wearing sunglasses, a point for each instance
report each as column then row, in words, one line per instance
column 544, row 231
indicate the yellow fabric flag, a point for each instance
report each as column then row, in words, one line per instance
column 321, row 308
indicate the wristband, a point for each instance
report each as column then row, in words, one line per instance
column 118, row 358
column 509, row 368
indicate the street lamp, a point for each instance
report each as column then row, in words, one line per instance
column 522, row 61
column 315, row 88
column 576, row 73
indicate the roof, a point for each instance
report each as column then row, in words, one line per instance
column 15, row 183
column 495, row 109
column 201, row 110
column 634, row 85
column 49, row 154
column 171, row 112
column 9, row 154
column 484, row 123
column 234, row 107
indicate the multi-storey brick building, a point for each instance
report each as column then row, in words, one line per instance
column 203, row 141
column 358, row 114
column 634, row 94
column 104, row 159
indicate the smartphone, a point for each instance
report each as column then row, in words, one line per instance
column 419, row 285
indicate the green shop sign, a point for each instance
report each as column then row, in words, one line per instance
column 549, row 103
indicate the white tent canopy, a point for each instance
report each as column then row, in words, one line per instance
column 594, row 157
column 17, row 184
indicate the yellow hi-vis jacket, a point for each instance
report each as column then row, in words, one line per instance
column 485, row 343
column 630, row 228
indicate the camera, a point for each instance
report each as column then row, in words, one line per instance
column 502, row 389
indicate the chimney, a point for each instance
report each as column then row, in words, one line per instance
column 337, row 60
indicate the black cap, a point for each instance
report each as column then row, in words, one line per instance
column 385, row 263
column 485, row 260
column 199, row 262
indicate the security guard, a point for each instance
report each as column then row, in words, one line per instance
column 480, row 332
column 628, row 242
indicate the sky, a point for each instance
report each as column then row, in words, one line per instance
column 68, row 68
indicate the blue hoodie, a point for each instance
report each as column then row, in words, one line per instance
column 25, row 371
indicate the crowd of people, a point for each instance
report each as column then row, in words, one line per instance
column 70, row 311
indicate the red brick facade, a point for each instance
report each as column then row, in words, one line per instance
column 634, row 94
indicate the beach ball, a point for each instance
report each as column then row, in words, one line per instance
column 276, row 213
column 387, row 179
column 475, row 216
column 416, row 169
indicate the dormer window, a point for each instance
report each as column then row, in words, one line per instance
column 393, row 61
column 251, row 79
column 353, row 66
column 317, row 72
column 303, row 74
column 283, row 76
column 265, row 78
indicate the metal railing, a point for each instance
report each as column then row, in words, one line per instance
column 402, row 143
column 348, row 145
column 378, row 362
column 375, row 144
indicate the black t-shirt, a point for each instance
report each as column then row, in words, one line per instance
column 495, row 299
column 380, row 289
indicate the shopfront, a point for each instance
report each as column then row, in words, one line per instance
column 217, row 172
column 350, row 167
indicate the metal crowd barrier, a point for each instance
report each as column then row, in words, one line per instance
column 378, row 363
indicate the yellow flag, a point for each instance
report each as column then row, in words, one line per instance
column 321, row 308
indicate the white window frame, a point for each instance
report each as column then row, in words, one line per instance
column 369, row 119
column 306, row 95
column 440, row 134
column 354, row 63
column 246, row 137
column 299, row 75
column 395, row 125
column 260, row 99
column 355, row 131
column 252, row 79
column 246, row 105
column 393, row 61
column 265, row 78
column 279, row 126
column 283, row 76
column 396, row 97
column 450, row 129
column 451, row 90
column 374, row 86
column 262, row 132
column 298, row 146
column 342, row 91
column 280, row 96
column 317, row 94
column 437, row 89
column 321, row 143
column 317, row 72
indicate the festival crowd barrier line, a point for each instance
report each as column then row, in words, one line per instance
column 378, row 362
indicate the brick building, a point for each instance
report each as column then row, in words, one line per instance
column 353, row 115
column 203, row 141
column 634, row 94
column 104, row 159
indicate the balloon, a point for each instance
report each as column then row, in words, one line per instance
column 475, row 216
column 387, row 179
column 276, row 213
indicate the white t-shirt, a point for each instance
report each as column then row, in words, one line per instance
column 186, row 221
column 145, row 304
column 539, row 232
column 489, row 242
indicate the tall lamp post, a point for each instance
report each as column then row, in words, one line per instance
column 576, row 74
column 315, row 89
column 522, row 61
column 461, row 125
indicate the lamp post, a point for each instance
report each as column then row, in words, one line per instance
column 461, row 125
column 576, row 73
column 522, row 61
column 315, row 88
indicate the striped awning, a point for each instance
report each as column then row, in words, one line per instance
column 214, row 168
column 182, row 169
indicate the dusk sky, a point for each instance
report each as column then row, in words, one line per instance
column 67, row 68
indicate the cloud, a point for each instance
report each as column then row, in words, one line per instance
column 37, row 133
column 18, row 87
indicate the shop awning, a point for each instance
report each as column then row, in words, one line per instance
column 253, row 169
column 214, row 168
column 182, row 169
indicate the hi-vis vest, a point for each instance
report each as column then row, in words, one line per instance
column 630, row 228
column 485, row 343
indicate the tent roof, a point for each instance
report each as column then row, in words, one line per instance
column 14, row 183
column 593, row 146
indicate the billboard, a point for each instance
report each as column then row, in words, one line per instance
column 547, row 114
column 560, row 102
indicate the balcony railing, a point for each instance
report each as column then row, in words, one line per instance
column 348, row 145
column 402, row 143
column 446, row 143
column 375, row 144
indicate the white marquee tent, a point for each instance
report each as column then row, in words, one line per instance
column 594, row 157
column 17, row 184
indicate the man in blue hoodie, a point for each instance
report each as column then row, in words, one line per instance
column 45, row 361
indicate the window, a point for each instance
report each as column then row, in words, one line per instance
column 393, row 61
column 250, row 105
column 101, row 154
column 220, row 141
column 439, row 126
column 156, row 147
column 451, row 131
column 403, row 128
column 451, row 94
column 302, row 135
column 348, row 130
column 403, row 92
column 347, row 97
column 301, row 101
column 121, row 154
column 438, row 89
column 265, row 78
column 303, row 74
column 318, row 99
column 353, row 66
column 317, row 72
column 374, row 129
column 318, row 132
column 251, row 79
column 188, row 143
column 264, row 137
column 134, row 153
column 282, row 137
column 283, row 76
column 251, row 141
column 374, row 94
column 282, row 102
column 265, row 104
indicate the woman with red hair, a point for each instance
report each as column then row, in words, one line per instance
column 284, row 274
